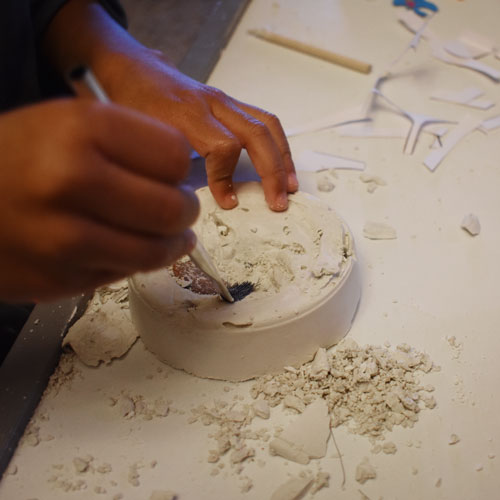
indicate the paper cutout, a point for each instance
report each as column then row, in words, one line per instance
column 491, row 124
column 467, row 125
column 460, row 48
column 440, row 53
column 477, row 41
column 343, row 117
column 418, row 122
column 315, row 161
column 415, row 23
column 466, row 97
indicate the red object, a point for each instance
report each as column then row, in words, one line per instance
column 410, row 4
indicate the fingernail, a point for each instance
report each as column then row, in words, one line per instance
column 230, row 201
column 280, row 203
column 293, row 182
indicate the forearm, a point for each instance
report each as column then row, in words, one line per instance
column 84, row 33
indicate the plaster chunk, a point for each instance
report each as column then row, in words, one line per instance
column 101, row 335
column 261, row 409
column 306, row 437
column 471, row 224
column 365, row 471
column 294, row 489
column 379, row 231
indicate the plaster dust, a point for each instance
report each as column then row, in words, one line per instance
column 304, row 269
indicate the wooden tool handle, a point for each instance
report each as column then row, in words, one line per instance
column 326, row 55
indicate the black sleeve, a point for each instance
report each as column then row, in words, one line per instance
column 43, row 11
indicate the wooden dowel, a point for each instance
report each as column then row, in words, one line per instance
column 326, row 55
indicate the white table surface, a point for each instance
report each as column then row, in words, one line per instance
column 434, row 280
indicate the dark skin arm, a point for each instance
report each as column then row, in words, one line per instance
column 216, row 125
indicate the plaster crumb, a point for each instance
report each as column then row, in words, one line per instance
column 491, row 456
column 365, row 471
column 320, row 365
column 162, row 495
column 261, row 409
column 247, row 485
column 294, row 489
column 11, row 470
column 376, row 449
column 325, row 185
column 372, row 181
column 131, row 406
column 454, row 439
column 82, row 464
column 389, row 448
column 414, row 471
column 479, row 467
column 457, row 347
column 322, row 480
column 379, row 231
column 133, row 475
column 100, row 490
column 438, row 483
column 104, row 468
column 470, row 223
column 294, row 402
column 118, row 496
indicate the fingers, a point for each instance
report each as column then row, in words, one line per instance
column 263, row 151
column 142, row 144
column 221, row 150
column 79, row 243
column 126, row 201
column 279, row 137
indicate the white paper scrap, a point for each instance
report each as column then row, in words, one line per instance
column 464, row 127
column 460, row 48
column 480, row 104
column 315, row 161
column 439, row 53
column 477, row 41
column 461, row 96
column 415, row 23
column 466, row 97
column 491, row 123
column 343, row 117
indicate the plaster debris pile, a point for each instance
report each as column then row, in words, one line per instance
column 370, row 389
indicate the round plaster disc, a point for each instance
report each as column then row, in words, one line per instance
column 307, row 287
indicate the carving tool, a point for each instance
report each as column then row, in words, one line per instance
column 311, row 50
column 84, row 83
